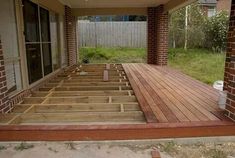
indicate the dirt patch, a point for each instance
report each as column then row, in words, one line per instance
column 73, row 149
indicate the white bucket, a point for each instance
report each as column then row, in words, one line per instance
column 218, row 85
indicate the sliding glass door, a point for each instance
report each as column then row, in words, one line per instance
column 38, row 41
column 46, row 40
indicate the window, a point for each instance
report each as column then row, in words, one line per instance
column 8, row 32
column 211, row 11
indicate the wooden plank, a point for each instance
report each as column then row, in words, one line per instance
column 107, row 66
column 174, row 100
column 180, row 116
column 149, row 115
column 155, row 154
column 164, row 108
column 116, row 132
column 184, row 95
column 82, row 117
column 106, row 76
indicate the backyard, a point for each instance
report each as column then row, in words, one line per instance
column 201, row 64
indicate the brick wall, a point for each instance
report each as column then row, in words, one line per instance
column 229, row 75
column 157, row 36
column 70, row 31
column 4, row 100
column 223, row 5
column 151, row 37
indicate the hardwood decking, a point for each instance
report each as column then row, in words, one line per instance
column 167, row 95
column 108, row 103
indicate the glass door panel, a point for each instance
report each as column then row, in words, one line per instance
column 34, row 62
column 46, row 49
column 46, row 41
column 32, row 39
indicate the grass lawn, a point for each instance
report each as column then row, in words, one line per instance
column 201, row 64
column 113, row 55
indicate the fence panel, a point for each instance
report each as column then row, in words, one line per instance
column 112, row 34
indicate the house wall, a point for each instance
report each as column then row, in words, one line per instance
column 7, row 100
column 4, row 100
column 8, row 32
column 223, row 5
column 229, row 75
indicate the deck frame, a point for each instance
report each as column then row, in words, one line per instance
column 153, row 129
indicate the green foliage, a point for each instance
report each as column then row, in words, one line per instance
column 202, row 31
column 194, row 30
column 216, row 31
column 112, row 55
column 215, row 153
column 2, row 147
column 201, row 64
column 169, row 147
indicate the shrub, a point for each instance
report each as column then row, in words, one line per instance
column 216, row 28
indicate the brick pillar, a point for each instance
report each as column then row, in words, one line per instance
column 157, row 36
column 4, row 100
column 229, row 74
column 152, row 32
column 70, row 31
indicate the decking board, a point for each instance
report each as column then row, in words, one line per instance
column 178, row 97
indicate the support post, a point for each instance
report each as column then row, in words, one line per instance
column 70, row 30
column 229, row 72
column 157, row 35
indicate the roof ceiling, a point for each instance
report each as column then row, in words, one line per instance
column 112, row 3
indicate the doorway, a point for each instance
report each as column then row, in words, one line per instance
column 37, row 40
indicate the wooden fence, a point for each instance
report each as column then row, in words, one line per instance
column 112, row 34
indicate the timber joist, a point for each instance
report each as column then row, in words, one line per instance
column 83, row 94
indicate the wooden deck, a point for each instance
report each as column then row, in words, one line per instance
column 117, row 102
column 85, row 94
column 167, row 95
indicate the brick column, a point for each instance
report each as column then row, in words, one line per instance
column 4, row 100
column 229, row 74
column 157, row 36
column 70, row 31
column 152, row 32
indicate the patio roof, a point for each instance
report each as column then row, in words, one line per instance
column 111, row 7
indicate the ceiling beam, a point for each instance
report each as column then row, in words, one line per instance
column 53, row 5
column 173, row 5
column 108, row 11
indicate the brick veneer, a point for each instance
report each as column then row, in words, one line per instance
column 157, row 36
column 4, row 100
column 70, row 31
column 229, row 75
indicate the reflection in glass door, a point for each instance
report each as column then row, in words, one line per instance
column 46, row 41
column 38, row 41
